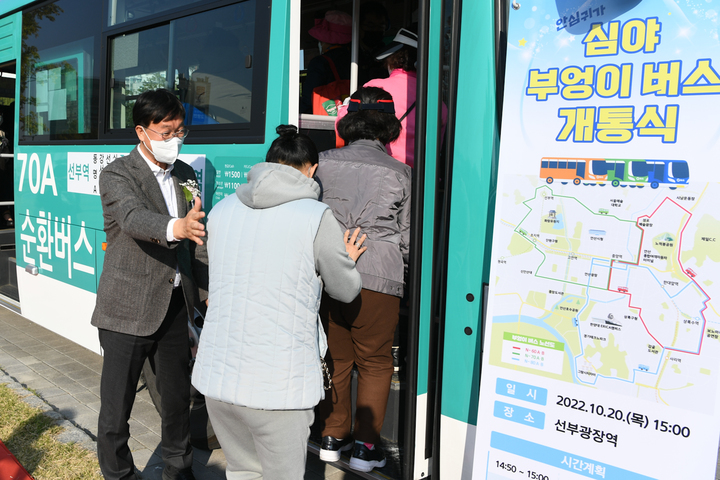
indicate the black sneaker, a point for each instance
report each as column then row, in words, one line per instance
column 331, row 448
column 364, row 459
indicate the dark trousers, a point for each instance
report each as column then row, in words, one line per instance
column 124, row 356
column 359, row 333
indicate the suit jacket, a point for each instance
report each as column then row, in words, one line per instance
column 139, row 270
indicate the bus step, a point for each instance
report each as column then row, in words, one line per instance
column 318, row 467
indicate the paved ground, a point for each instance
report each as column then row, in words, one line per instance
column 67, row 377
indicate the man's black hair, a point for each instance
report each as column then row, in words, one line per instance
column 369, row 124
column 376, row 8
column 292, row 148
column 154, row 106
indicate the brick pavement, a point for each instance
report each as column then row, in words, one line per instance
column 67, row 377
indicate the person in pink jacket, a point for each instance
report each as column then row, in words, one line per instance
column 400, row 57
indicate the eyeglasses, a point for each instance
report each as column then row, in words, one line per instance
column 181, row 134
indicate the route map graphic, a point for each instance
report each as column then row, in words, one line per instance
column 619, row 291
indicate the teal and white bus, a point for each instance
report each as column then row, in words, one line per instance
column 585, row 373
column 70, row 71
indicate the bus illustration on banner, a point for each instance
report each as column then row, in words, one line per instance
column 617, row 172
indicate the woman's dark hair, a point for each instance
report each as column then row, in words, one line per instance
column 404, row 58
column 154, row 106
column 292, row 148
column 369, row 124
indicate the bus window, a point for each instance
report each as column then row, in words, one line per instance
column 639, row 168
column 375, row 27
column 571, row 165
column 210, row 60
column 679, row 170
column 326, row 71
column 120, row 11
column 544, row 164
column 562, row 165
column 59, row 72
column 128, row 78
column 599, row 167
column 553, row 164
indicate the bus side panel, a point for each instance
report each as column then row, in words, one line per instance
column 470, row 233
column 279, row 73
column 59, row 292
column 456, row 433
column 10, row 32
column 10, row 5
column 59, row 307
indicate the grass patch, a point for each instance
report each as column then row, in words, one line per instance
column 30, row 436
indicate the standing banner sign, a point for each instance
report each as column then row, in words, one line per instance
column 602, row 343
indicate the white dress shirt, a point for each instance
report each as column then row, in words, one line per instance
column 167, row 187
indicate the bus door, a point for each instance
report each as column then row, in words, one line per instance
column 620, row 171
column 476, row 76
column 10, row 33
column 659, row 172
column 580, row 169
column 375, row 24
column 8, row 266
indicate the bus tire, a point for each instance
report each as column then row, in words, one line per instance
column 577, row 181
column 202, row 435
column 549, row 179
column 616, row 183
column 654, row 185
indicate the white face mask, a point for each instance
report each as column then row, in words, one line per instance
column 165, row 152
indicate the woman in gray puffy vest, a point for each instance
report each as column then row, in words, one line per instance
column 272, row 248
column 369, row 189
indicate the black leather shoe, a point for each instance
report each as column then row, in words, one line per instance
column 331, row 448
column 172, row 473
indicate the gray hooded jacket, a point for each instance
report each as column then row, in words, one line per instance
column 272, row 184
column 367, row 188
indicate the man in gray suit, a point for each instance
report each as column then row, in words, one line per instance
column 155, row 271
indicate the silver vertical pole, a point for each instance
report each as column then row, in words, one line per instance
column 355, row 47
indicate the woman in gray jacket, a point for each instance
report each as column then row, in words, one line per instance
column 369, row 189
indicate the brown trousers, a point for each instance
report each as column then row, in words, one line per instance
column 361, row 334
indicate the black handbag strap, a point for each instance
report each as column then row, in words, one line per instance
column 408, row 111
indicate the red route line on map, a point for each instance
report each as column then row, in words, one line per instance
column 637, row 222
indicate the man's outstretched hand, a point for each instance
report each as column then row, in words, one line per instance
column 191, row 227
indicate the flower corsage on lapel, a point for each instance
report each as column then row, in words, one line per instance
column 191, row 189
